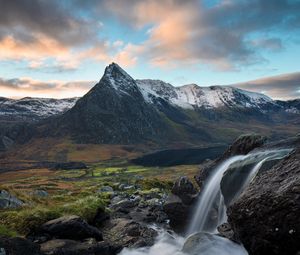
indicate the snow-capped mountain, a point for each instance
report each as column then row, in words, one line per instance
column 192, row 95
column 29, row 108
column 121, row 110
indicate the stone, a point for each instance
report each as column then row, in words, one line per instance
column 205, row 243
column 70, row 227
column 178, row 213
column 106, row 189
column 185, row 189
column 265, row 218
column 8, row 201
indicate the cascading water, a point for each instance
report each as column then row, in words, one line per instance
column 211, row 200
column 211, row 195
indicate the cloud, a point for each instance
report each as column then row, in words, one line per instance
column 18, row 87
column 226, row 35
column 286, row 86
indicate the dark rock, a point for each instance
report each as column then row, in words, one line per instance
column 70, row 227
column 185, row 189
column 128, row 233
column 19, row 246
column 265, row 218
column 8, row 201
column 69, row 166
column 241, row 146
column 178, row 213
column 71, row 247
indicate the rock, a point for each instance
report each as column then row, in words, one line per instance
column 205, row 244
column 226, row 231
column 185, row 189
column 71, row 247
column 241, row 146
column 70, row 227
column 8, row 201
column 40, row 193
column 101, row 217
column 106, row 189
column 18, row 246
column 265, row 218
column 126, row 187
column 69, row 166
column 128, row 233
column 178, row 213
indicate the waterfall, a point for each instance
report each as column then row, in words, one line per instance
column 211, row 198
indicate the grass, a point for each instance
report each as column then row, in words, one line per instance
column 75, row 192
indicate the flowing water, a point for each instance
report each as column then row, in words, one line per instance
column 211, row 200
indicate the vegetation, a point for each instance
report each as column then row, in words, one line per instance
column 77, row 192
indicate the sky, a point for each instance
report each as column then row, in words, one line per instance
column 59, row 48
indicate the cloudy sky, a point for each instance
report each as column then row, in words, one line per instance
column 59, row 48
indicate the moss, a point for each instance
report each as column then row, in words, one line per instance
column 29, row 219
column 5, row 232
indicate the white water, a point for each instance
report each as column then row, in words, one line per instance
column 171, row 244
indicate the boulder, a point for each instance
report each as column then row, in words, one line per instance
column 178, row 213
column 128, row 233
column 8, row 201
column 106, row 189
column 70, row 227
column 265, row 218
column 18, row 246
column 40, row 193
column 206, row 244
column 185, row 189
column 71, row 247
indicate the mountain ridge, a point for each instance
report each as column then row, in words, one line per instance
column 122, row 110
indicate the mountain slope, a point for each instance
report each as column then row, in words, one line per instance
column 121, row 110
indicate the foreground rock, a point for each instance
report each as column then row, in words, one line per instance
column 70, row 227
column 179, row 205
column 205, row 243
column 241, row 146
column 8, row 201
column 128, row 233
column 265, row 218
column 18, row 246
column 71, row 247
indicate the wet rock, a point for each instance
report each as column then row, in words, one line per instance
column 70, row 227
column 178, row 213
column 205, row 243
column 265, row 218
column 71, row 247
column 8, row 201
column 241, row 146
column 18, row 246
column 185, row 189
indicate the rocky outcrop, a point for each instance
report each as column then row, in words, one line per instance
column 70, row 227
column 180, row 203
column 8, row 201
column 241, row 146
column 265, row 218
